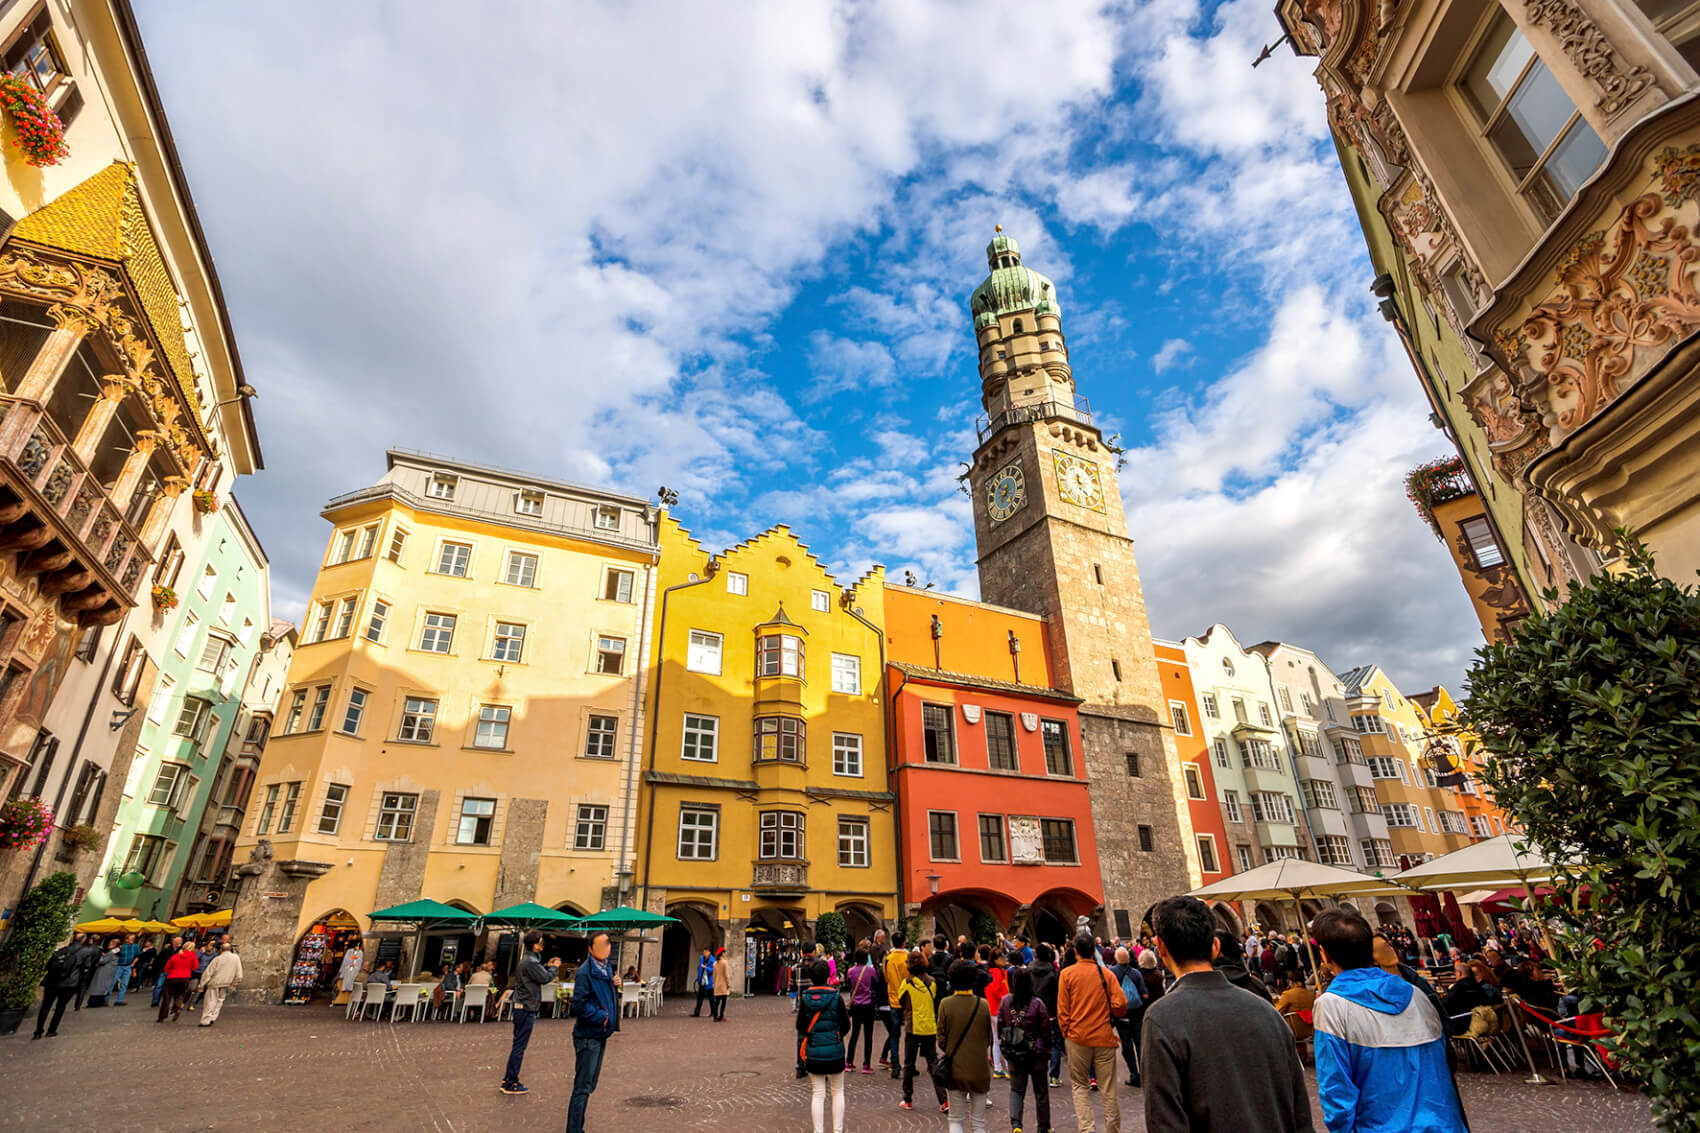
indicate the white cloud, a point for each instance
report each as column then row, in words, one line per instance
column 1170, row 354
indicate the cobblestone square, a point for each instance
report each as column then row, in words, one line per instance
column 278, row 1068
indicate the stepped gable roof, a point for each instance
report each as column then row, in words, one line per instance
column 102, row 218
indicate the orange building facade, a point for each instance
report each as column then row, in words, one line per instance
column 994, row 816
column 1207, row 857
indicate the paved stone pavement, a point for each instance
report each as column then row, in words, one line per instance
column 306, row 1068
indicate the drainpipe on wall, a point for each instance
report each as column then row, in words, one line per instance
column 709, row 571
column 623, row 872
column 885, row 727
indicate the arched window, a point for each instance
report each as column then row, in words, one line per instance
column 1017, row 326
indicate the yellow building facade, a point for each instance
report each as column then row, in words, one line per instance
column 463, row 713
column 1424, row 820
column 766, row 800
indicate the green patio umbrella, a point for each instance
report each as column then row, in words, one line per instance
column 621, row 919
column 426, row 914
column 532, row 915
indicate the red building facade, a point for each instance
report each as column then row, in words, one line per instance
column 994, row 817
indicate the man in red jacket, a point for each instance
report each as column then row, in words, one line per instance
column 179, row 969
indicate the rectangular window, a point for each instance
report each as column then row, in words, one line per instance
column 1058, row 760
column 356, row 711
column 1364, row 800
column 330, row 817
column 941, row 836
column 992, row 846
column 213, row 654
column 779, row 737
column 1116, row 669
column 820, row 601
column 737, row 583
column 610, row 655
column 442, row 486
column 853, row 843
column 476, row 818
column 780, row 835
column 1147, row 840
column 1231, row 804
column 170, row 563
column 1209, row 701
column 1242, row 854
column 510, row 642
column 265, row 823
column 1177, row 713
column 297, row 709
column 1269, row 806
column 1207, row 854
column 699, row 833
column 1286, row 698
column 1263, row 715
column 1526, row 116
column 344, row 549
column 492, row 730
column 1452, row 822
column 521, row 569
column 439, row 633
column 345, row 616
column 528, row 502
column 209, row 580
column 291, row 800
column 702, row 738
column 1239, row 710
column 1334, row 849
column 703, row 653
column 1370, row 725
column 1058, row 835
column 375, row 624
column 590, row 827
column 1133, row 764
column 1194, row 780
column 607, row 518
column 1259, row 754
column 846, row 753
column 1307, row 704
column 192, row 719
column 617, row 585
column 600, row 734
column 147, row 853
column 322, row 622
column 1321, row 794
column 1400, row 815
column 1479, row 824
column 128, row 679
column 368, row 541
column 938, row 741
column 161, row 699
column 168, row 785
column 1220, row 747
column 1000, row 742
column 186, row 634
column 1483, row 548
column 418, row 720
column 453, row 559
column 321, row 702
column 847, row 674
column 395, row 817
column 398, row 544
column 779, row 655
column 1308, row 745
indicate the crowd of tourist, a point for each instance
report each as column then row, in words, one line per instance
column 91, row 971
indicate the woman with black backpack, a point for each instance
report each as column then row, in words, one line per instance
column 822, row 1022
column 1024, row 1031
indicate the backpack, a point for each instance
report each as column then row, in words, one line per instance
column 1131, row 989
column 1013, row 1038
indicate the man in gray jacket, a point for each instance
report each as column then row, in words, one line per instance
column 528, row 997
column 1213, row 1056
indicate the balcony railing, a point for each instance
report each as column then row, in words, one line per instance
column 780, row 877
column 1076, row 409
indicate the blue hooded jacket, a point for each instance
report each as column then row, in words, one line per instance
column 1381, row 1058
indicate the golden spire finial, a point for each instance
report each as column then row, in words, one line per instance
column 998, row 227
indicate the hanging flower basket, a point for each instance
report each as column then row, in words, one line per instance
column 24, row 823
column 1429, row 485
column 164, row 598
column 40, row 134
column 205, row 502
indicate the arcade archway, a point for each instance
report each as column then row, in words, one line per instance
column 860, row 922
column 317, row 961
column 1226, row 917
column 682, row 943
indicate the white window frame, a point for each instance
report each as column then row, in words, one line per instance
column 442, row 486
column 779, row 830
column 703, row 819
column 492, row 724
column 528, row 501
column 704, row 652
column 847, row 674
column 1208, row 842
column 1194, row 780
column 607, row 517
column 697, row 733
column 605, row 648
column 520, row 568
column 331, row 810
column 854, row 838
column 508, row 647
column 847, row 754
column 475, row 817
column 737, row 582
column 446, row 548
column 438, row 631
column 590, row 827
column 354, row 714
column 377, row 621
column 185, row 639
column 820, row 601
column 423, row 726
column 618, row 579
column 396, row 816
column 594, row 731
column 1180, row 718
column 1231, row 804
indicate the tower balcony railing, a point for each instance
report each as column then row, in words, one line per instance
column 1074, row 409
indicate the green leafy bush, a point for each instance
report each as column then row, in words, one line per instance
column 1591, row 715
column 830, row 930
column 43, row 922
column 982, row 928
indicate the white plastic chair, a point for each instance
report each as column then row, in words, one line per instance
column 356, row 1001
column 652, row 995
column 407, row 996
column 476, row 996
column 372, row 997
column 546, row 997
column 631, row 999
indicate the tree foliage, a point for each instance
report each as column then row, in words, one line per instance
column 982, row 928
column 42, row 923
column 830, row 930
column 1591, row 714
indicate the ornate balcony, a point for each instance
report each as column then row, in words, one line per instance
column 780, row 877
column 1076, row 409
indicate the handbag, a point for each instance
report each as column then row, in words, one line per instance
column 943, row 1077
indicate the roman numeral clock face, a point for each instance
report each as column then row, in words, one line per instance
column 1078, row 483
column 1006, row 492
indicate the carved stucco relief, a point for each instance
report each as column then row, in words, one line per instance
column 1587, row 47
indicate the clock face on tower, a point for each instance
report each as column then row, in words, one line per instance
column 1078, row 483
column 1006, row 492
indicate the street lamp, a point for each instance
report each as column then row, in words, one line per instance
column 933, row 880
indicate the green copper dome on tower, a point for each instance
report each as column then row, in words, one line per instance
column 1011, row 287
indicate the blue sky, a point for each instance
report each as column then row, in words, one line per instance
column 728, row 248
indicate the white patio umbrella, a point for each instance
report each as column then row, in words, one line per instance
column 1494, row 863
column 1296, row 880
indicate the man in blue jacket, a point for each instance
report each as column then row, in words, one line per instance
column 705, row 981
column 1380, row 1047
column 596, row 1010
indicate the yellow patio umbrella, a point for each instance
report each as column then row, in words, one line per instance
column 104, row 924
column 220, row 919
column 155, row 926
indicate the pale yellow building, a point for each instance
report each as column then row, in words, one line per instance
column 463, row 713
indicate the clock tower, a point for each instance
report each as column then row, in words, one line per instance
column 1053, row 541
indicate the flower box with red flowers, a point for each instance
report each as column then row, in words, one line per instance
column 24, row 823
column 40, row 135
column 164, row 598
column 205, row 502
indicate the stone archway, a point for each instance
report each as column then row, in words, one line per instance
column 322, row 944
column 860, row 922
column 1225, row 916
column 682, row 943
column 1386, row 913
